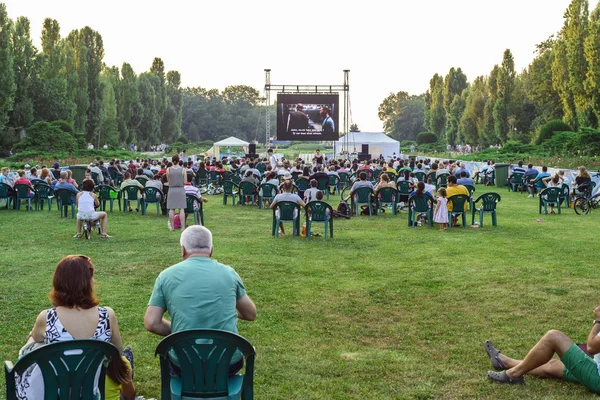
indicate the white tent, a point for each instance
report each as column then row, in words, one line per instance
column 229, row 142
column 379, row 143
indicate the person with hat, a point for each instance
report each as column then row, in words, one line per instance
column 56, row 170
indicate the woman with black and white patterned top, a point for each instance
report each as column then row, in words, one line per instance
column 75, row 315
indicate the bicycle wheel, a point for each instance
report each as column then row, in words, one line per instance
column 581, row 206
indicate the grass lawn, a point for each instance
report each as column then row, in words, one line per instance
column 381, row 311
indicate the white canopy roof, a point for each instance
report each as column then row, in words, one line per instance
column 379, row 143
column 231, row 141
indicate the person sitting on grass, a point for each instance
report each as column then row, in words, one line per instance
column 86, row 209
column 127, row 181
column 287, row 195
column 574, row 364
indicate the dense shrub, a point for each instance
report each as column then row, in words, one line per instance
column 436, row 147
column 589, row 142
column 561, row 142
column 182, row 139
column 43, row 136
column 176, row 147
column 426, row 138
column 549, row 128
column 407, row 143
column 64, row 126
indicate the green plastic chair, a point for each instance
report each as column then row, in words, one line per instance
column 96, row 178
column 362, row 196
column 110, row 194
column 189, row 209
column 266, row 191
column 420, row 176
column 214, row 178
column 431, row 176
column 43, row 193
column 344, row 180
column 471, row 190
column 441, row 180
column 142, row 179
column 68, row 368
column 515, row 181
column 488, row 205
column 295, row 175
column 320, row 212
column 201, row 178
column 565, row 195
column 261, row 167
column 230, row 189
column 375, row 175
column 420, row 204
column 204, row 356
column 4, row 194
column 550, row 195
column 130, row 193
column 404, row 188
column 490, row 178
column 458, row 207
column 63, row 198
column 248, row 189
column 23, row 195
column 334, row 183
column 302, row 184
column 149, row 197
column 286, row 214
column 116, row 178
column 323, row 185
column 387, row 196
column 235, row 178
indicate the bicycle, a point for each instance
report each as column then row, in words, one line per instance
column 89, row 226
column 585, row 203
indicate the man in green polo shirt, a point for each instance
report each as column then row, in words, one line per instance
column 574, row 364
column 199, row 292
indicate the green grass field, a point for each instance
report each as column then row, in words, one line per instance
column 381, row 311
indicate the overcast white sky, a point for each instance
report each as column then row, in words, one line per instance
column 388, row 46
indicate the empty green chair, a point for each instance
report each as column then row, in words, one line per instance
column 334, row 183
column 235, row 178
column 515, row 181
column 96, row 178
column 420, row 176
column 64, row 199
column 488, row 205
column 441, row 180
column 375, row 175
column 420, row 204
column 387, row 196
column 344, row 180
column 201, row 178
column 550, row 195
column 362, row 196
column 565, row 196
column 190, row 209
column 230, row 189
column 129, row 194
column 248, row 189
column 458, row 207
column 68, row 369
column 23, row 195
column 204, row 356
column 261, row 167
column 110, row 194
column 286, row 211
column 266, row 191
column 320, row 212
column 404, row 189
column 115, row 177
column 43, row 193
column 302, row 184
column 4, row 188
column 152, row 195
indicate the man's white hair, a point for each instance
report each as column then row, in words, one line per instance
column 196, row 239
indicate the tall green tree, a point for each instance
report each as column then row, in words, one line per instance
column 592, row 56
column 472, row 121
column 437, row 115
column 149, row 128
column 50, row 49
column 560, row 80
column 454, row 85
column 503, row 107
column 172, row 117
column 7, row 75
column 130, row 109
column 92, row 40
column 158, row 70
column 24, row 72
column 390, row 110
column 489, row 131
column 109, row 128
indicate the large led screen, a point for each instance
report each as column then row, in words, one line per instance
column 308, row 117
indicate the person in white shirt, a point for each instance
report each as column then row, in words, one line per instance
column 272, row 159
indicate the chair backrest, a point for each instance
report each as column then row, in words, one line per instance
column 228, row 187
column 64, row 196
column 420, row 203
column 132, row 192
column 4, row 190
column 442, row 179
column 318, row 210
column 343, row 177
column 322, row 183
column 42, row 190
column 268, row 190
column 391, row 175
column 387, row 194
column 150, row 194
column 517, row 178
column 565, row 190
column 214, row 176
column 333, row 180
column 302, row 184
column 286, row 210
column 226, row 175
column 202, row 174
column 295, row 175
column 458, row 202
column 551, row 193
column 113, row 174
column 204, row 356
column 96, row 178
column 68, row 367
column 142, row 179
column 471, row 189
column 247, row 188
column 488, row 201
column 262, row 167
column 105, row 191
column 404, row 188
column 363, row 194
column 22, row 190
column 189, row 204
column 235, row 178
column 376, row 174
column 420, row 176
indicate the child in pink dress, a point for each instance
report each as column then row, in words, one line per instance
column 441, row 210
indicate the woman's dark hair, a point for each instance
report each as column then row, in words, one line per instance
column 175, row 159
column 385, row 177
column 271, row 175
column 72, row 283
column 140, row 171
column 88, row 185
column 169, row 164
column 406, row 174
column 420, row 188
column 119, row 370
column 201, row 166
column 442, row 192
column 306, row 171
column 190, row 176
column 313, row 183
column 127, row 175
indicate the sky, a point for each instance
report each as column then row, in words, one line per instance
column 388, row 46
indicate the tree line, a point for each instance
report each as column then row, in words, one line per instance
column 562, row 82
column 67, row 80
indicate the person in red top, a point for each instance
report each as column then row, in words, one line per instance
column 24, row 181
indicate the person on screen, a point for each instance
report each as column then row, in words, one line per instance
column 328, row 126
column 298, row 119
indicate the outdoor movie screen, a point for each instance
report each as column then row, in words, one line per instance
column 308, row 117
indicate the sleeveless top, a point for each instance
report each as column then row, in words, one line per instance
column 175, row 177
column 86, row 203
